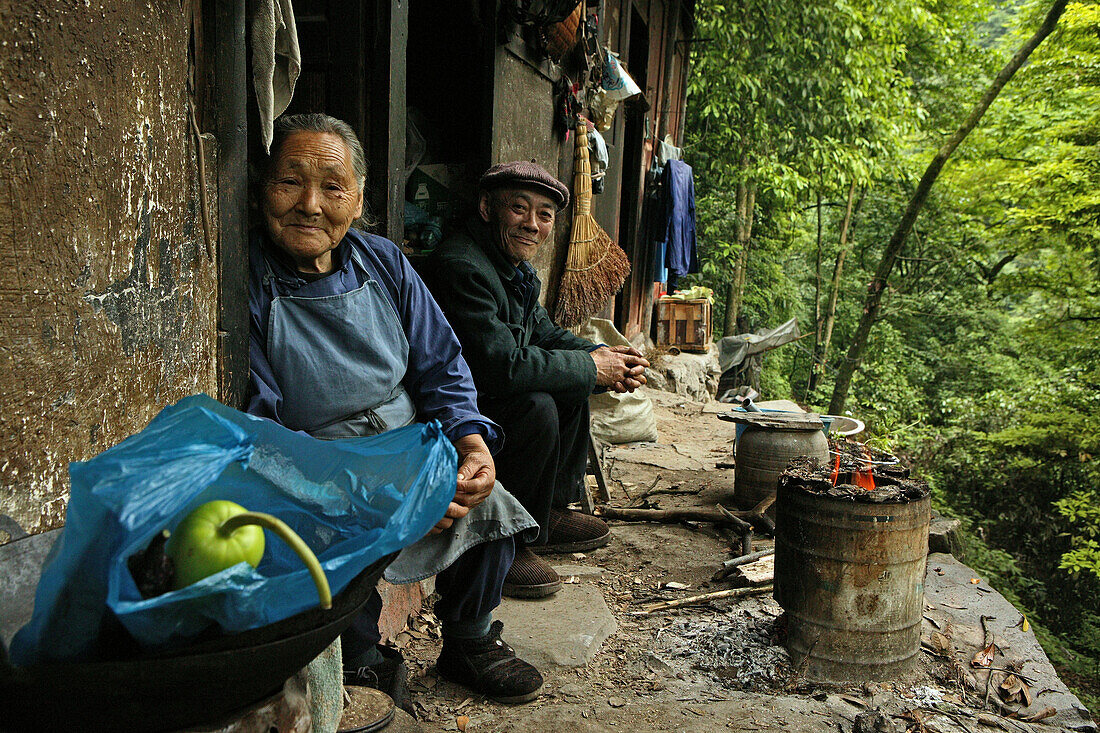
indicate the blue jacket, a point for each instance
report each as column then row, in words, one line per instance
column 676, row 218
column 438, row 379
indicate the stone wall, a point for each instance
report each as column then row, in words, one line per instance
column 107, row 296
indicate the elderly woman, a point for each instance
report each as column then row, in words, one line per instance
column 346, row 341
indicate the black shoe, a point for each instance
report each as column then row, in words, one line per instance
column 489, row 666
column 390, row 676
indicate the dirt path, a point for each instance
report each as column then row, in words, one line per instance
column 705, row 668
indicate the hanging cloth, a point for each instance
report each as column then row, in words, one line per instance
column 276, row 61
column 677, row 219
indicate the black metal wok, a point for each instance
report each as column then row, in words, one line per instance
column 193, row 685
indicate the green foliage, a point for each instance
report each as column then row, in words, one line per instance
column 985, row 365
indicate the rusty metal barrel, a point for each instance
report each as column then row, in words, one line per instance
column 850, row 576
column 766, row 446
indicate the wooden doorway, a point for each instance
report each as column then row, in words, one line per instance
column 633, row 300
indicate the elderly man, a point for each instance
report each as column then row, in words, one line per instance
column 533, row 377
column 346, row 341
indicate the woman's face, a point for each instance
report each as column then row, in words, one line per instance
column 311, row 198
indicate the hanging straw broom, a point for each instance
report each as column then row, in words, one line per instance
column 596, row 267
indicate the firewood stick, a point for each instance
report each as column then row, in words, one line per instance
column 733, row 519
column 671, row 516
column 667, row 516
column 729, row 566
column 705, row 597
column 742, row 526
column 764, row 505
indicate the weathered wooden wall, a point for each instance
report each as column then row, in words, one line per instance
column 107, row 298
column 523, row 120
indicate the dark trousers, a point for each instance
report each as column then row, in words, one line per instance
column 468, row 589
column 545, row 452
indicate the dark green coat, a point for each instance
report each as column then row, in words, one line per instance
column 511, row 348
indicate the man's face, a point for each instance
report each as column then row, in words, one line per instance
column 521, row 218
column 311, row 198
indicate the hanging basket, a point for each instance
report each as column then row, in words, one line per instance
column 560, row 38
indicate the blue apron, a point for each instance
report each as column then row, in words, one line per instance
column 339, row 361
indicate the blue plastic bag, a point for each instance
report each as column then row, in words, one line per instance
column 352, row 501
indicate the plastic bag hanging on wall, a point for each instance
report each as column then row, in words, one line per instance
column 617, row 85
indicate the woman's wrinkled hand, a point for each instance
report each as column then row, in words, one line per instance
column 476, row 475
column 454, row 511
column 476, row 471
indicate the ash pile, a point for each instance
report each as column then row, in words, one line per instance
column 738, row 651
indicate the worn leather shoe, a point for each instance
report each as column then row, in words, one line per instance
column 530, row 576
column 573, row 532
column 490, row 667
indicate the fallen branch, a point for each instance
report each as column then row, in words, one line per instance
column 671, row 516
column 741, row 526
column 705, row 598
column 764, row 505
column 675, row 489
column 640, row 498
column 730, row 565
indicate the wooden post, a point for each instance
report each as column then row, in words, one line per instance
column 387, row 149
column 231, row 127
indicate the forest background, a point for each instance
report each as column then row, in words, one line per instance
column 811, row 127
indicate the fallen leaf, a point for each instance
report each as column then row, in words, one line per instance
column 1025, row 690
column 1025, row 626
column 975, row 581
column 676, row 586
column 571, row 579
column 984, row 658
column 1043, row 714
column 462, row 721
column 1010, row 688
column 940, row 642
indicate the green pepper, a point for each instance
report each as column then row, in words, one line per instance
column 219, row 534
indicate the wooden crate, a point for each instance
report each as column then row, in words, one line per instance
column 684, row 324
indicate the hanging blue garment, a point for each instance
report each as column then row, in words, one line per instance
column 676, row 219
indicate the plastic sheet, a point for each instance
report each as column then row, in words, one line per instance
column 352, row 501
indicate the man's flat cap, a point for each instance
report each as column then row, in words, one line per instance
column 525, row 174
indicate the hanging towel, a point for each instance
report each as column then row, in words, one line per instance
column 666, row 151
column 676, row 219
column 276, row 61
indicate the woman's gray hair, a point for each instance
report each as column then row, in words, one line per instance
column 319, row 122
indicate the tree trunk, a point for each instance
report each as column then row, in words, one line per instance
column 838, row 269
column 744, row 237
column 811, row 383
column 735, row 288
column 875, row 288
